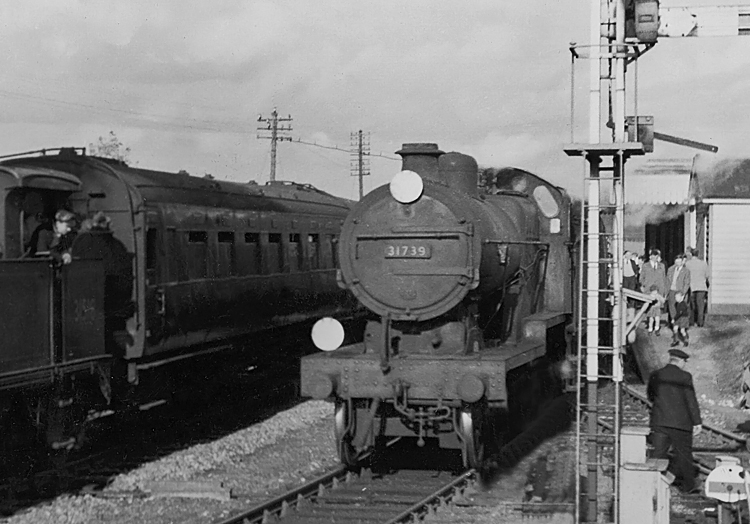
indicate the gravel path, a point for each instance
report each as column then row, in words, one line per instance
column 254, row 463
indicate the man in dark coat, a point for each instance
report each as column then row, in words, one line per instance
column 675, row 417
column 678, row 279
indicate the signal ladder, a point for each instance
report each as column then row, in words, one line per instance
column 600, row 330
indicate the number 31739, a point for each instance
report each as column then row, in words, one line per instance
column 407, row 251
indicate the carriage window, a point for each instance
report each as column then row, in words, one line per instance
column 225, row 263
column 295, row 252
column 197, row 252
column 275, row 254
column 248, row 256
column 197, row 237
column 176, row 260
column 313, row 250
column 150, row 249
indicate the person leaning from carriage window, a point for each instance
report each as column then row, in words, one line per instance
column 699, row 282
column 652, row 275
column 41, row 237
column 675, row 417
column 64, row 235
column 678, row 277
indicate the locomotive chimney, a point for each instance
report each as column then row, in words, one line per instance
column 422, row 158
column 460, row 172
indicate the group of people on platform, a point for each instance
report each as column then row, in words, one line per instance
column 683, row 288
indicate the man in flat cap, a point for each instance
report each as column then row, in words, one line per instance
column 64, row 234
column 675, row 417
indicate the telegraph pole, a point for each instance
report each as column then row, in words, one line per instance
column 277, row 134
column 360, row 162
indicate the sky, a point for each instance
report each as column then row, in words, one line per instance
column 183, row 82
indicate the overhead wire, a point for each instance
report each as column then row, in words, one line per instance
column 164, row 121
column 336, row 148
column 86, row 89
column 184, row 123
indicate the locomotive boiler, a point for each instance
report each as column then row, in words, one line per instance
column 470, row 294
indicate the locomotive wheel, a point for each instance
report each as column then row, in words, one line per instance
column 344, row 430
column 472, row 428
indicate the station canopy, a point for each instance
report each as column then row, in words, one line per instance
column 660, row 181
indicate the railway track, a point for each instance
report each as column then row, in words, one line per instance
column 711, row 440
column 367, row 497
column 413, row 495
column 129, row 441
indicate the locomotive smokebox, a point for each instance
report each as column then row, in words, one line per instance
column 460, row 172
column 422, row 158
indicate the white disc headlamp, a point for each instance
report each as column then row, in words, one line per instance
column 328, row 334
column 406, row 187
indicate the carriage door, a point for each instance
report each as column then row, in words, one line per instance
column 155, row 294
column 82, row 310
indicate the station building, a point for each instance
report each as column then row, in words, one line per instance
column 672, row 204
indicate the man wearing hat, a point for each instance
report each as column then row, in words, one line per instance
column 678, row 279
column 60, row 247
column 675, row 417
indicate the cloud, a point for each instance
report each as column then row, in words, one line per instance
column 182, row 82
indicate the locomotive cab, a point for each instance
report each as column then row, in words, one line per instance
column 30, row 195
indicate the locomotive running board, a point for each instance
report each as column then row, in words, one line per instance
column 350, row 372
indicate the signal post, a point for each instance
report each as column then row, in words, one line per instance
column 601, row 324
column 620, row 32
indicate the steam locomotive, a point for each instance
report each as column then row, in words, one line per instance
column 187, row 265
column 471, row 296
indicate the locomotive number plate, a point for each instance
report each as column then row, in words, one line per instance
column 408, row 251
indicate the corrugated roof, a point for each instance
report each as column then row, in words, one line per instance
column 660, row 181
